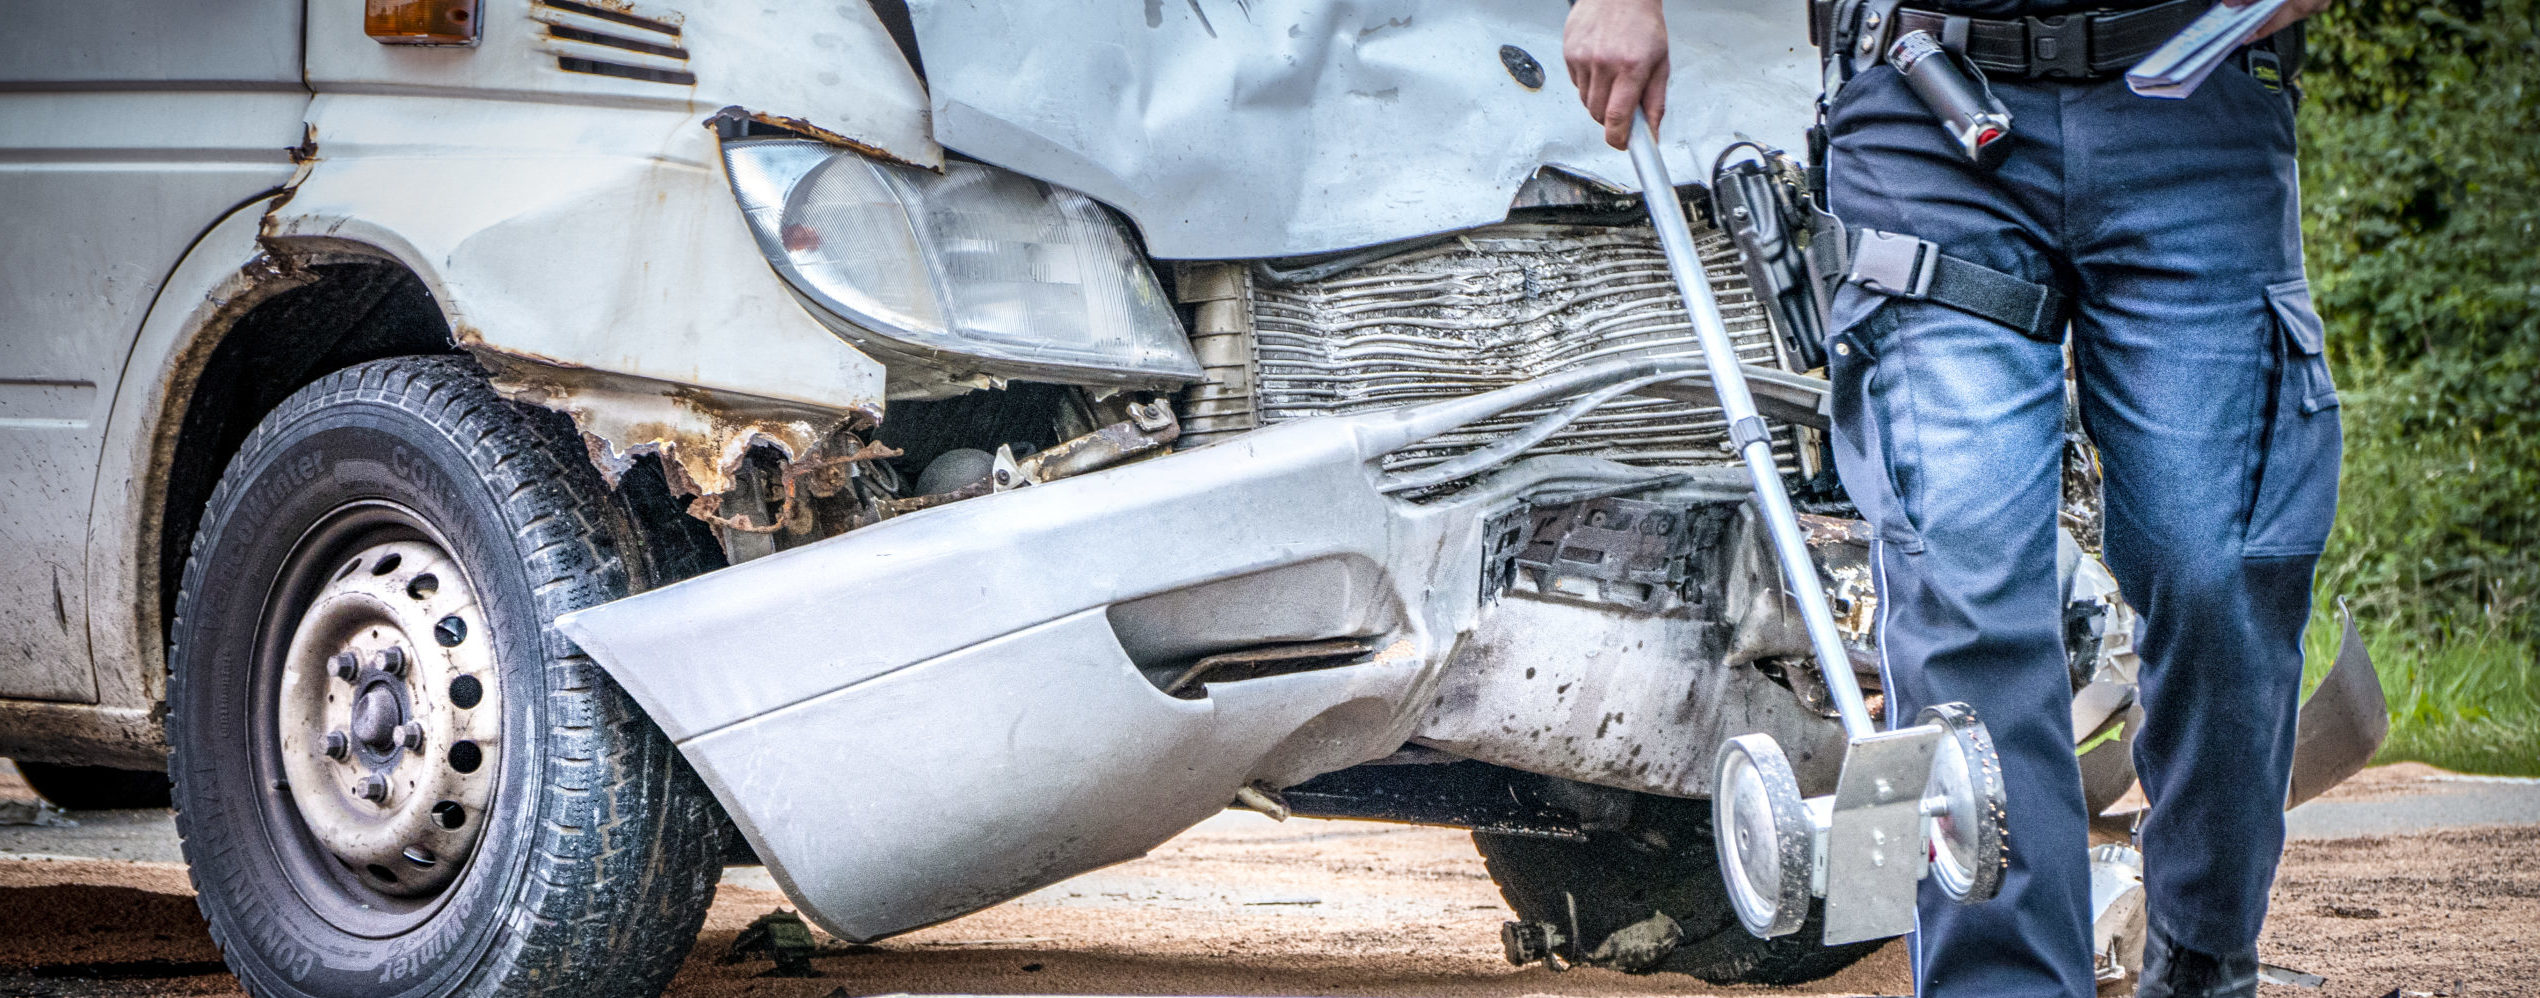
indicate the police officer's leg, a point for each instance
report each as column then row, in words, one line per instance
column 2203, row 387
column 1949, row 435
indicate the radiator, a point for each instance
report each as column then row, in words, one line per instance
column 1492, row 307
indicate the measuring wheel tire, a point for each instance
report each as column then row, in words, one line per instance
column 96, row 788
column 1970, row 844
column 393, row 775
column 1663, row 862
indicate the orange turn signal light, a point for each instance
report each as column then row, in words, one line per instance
column 420, row 22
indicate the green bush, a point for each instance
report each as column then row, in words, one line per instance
column 2421, row 183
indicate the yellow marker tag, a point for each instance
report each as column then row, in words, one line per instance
column 2104, row 737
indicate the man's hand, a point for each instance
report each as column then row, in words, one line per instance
column 2285, row 16
column 1617, row 55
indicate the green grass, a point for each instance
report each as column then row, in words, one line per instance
column 2463, row 701
column 2437, row 547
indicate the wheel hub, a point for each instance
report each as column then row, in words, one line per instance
column 389, row 718
column 375, row 718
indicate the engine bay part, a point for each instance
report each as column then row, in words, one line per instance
column 1493, row 307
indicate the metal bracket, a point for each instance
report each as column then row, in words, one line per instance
column 1616, row 550
column 1149, row 428
column 1504, row 537
column 1892, row 263
column 1874, row 852
column 1749, row 430
column 1007, row 474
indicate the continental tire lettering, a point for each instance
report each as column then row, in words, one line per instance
column 410, row 959
column 285, row 479
column 413, row 470
column 281, row 949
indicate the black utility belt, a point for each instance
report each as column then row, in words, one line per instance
column 2085, row 46
column 2089, row 45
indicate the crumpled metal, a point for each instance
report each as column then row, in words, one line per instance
column 1238, row 129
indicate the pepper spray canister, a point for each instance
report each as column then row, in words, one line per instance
column 1967, row 111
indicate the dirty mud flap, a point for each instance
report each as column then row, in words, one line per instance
column 925, row 717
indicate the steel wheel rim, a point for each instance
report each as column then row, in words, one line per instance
column 1954, row 833
column 1759, row 828
column 370, row 577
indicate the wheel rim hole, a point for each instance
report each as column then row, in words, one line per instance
column 465, row 757
column 466, row 692
column 347, row 570
column 422, row 586
column 449, row 814
column 382, row 873
column 420, row 856
column 449, row 631
column 387, row 564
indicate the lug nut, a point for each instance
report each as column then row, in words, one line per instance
column 410, row 736
column 372, row 788
column 338, row 745
column 347, row 665
column 392, row 660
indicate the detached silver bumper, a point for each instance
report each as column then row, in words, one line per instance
column 955, row 707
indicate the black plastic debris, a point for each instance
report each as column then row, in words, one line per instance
column 780, row 936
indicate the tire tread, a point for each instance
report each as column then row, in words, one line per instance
column 591, row 918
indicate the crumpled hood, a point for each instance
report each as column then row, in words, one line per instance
column 1230, row 129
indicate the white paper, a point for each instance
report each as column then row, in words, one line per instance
column 2181, row 64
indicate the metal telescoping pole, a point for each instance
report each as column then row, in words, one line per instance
column 1746, row 428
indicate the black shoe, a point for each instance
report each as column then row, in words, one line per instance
column 2174, row 971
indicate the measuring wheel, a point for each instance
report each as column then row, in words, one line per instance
column 1962, row 806
column 1938, row 780
column 1761, row 826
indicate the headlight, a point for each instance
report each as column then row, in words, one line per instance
column 1020, row 278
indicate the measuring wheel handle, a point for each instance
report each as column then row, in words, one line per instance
column 1964, row 821
column 1766, row 840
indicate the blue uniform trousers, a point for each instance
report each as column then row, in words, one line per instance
column 2172, row 227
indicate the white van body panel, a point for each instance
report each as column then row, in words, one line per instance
column 126, row 128
column 574, row 228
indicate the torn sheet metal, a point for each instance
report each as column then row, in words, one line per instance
column 2343, row 723
column 975, row 690
column 1270, row 128
column 701, row 436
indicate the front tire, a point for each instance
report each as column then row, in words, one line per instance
column 393, row 775
column 1664, row 862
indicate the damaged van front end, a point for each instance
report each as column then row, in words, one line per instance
column 1003, row 692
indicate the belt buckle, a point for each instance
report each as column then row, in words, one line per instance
column 1893, row 263
column 2059, row 46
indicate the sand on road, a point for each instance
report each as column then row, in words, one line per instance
column 1243, row 906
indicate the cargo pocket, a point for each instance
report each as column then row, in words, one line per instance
column 2298, row 452
column 1874, row 439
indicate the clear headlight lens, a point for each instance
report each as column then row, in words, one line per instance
column 1027, row 279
